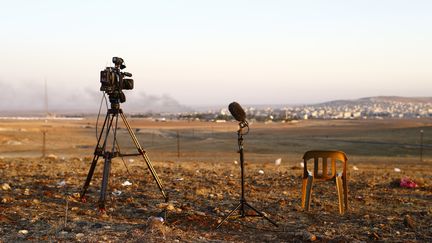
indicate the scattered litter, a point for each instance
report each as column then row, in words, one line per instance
column 5, row 187
column 116, row 193
column 153, row 219
column 179, row 179
column 278, row 161
column 235, row 162
column 397, row 170
column 23, row 232
column 355, row 168
column 126, row 183
column 131, row 160
column 61, row 183
column 302, row 164
column 407, row 183
column 261, row 172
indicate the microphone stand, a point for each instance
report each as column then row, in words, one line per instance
column 243, row 202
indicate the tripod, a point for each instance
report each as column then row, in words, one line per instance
column 111, row 122
column 243, row 202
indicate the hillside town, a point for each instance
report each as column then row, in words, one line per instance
column 366, row 108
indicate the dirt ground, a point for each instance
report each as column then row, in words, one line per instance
column 40, row 196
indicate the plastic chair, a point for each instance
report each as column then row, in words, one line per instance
column 321, row 173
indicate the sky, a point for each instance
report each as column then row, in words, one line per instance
column 204, row 53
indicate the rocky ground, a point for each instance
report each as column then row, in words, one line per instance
column 39, row 202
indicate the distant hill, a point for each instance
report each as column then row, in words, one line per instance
column 377, row 99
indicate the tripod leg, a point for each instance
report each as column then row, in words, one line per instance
column 97, row 153
column 229, row 215
column 145, row 157
column 89, row 177
column 107, row 164
column 261, row 214
column 105, row 179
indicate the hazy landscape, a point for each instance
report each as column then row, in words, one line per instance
column 197, row 162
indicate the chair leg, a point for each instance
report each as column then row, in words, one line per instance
column 303, row 192
column 345, row 188
column 339, row 192
column 309, row 183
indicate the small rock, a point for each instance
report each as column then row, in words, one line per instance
column 409, row 222
column 170, row 207
column 6, row 199
column 27, row 192
column 79, row 235
column 5, row 187
column 51, row 156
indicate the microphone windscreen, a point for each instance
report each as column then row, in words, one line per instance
column 237, row 111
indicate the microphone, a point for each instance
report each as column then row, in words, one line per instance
column 237, row 112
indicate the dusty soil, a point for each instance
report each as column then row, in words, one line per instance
column 39, row 197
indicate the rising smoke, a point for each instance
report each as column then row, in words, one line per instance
column 30, row 97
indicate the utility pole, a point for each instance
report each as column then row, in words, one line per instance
column 178, row 144
column 421, row 145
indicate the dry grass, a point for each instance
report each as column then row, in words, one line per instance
column 203, row 185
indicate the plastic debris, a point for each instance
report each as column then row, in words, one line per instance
column 397, row 170
column 126, row 183
column 131, row 160
column 61, row 183
column 278, row 161
column 116, row 193
column 355, row 168
column 179, row 179
column 235, row 162
column 407, row 183
column 23, row 232
column 261, row 172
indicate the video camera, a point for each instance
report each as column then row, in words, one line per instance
column 113, row 81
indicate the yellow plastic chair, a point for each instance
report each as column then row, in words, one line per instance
column 321, row 173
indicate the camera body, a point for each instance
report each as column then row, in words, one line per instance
column 113, row 80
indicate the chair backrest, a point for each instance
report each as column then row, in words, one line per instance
column 324, row 158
